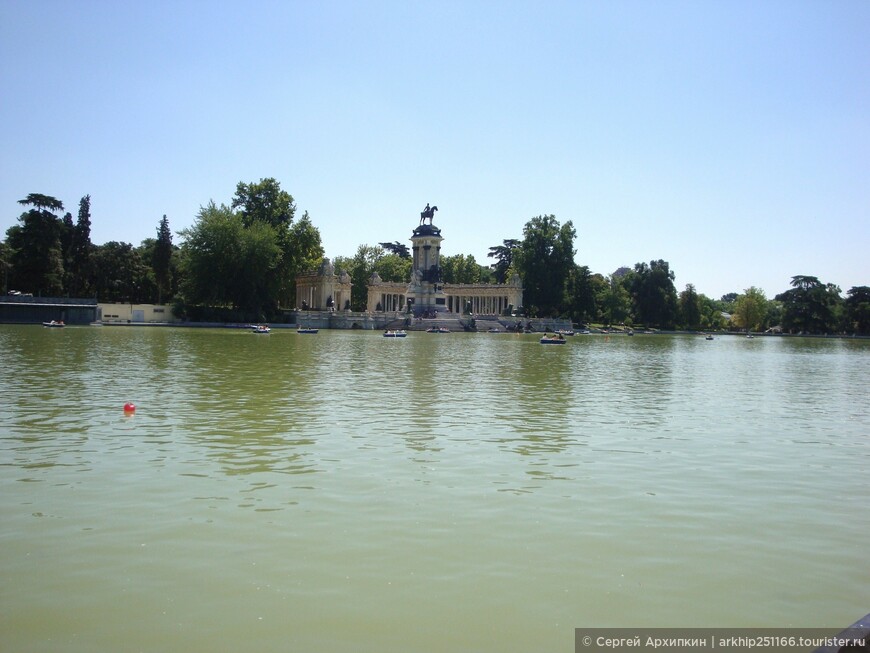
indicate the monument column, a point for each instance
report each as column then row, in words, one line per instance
column 426, row 290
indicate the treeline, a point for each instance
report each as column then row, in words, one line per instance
column 237, row 262
column 642, row 295
column 53, row 256
column 240, row 262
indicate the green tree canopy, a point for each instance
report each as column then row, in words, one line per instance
column 460, row 268
column 858, row 309
column 120, row 274
column 80, row 270
column 689, row 308
column 811, row 306
column 42, row 202
column 5, row 264
column 246, row 257
column 544, row 260
column 750, row 309
column 360, row 268
column 37, row 251
column 583, row 291
column 393, row 267
column 654, row 294
column 302, row 251
column 264, row 201
column 504, row 258
column 711, row 313
column 162, row 258
column 369, row 259
column 614, row 300
column 226, row 263
column 67, row 232
column 400, row 249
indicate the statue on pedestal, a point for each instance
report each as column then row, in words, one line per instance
column 428, row 213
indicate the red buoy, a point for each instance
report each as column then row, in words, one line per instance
column 129, row 408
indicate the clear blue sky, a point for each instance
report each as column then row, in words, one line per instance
column 730, row 138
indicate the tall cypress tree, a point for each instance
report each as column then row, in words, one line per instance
column 162, row 257
column 66, row 240
column 80, row 261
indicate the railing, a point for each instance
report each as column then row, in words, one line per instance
column 30, row 299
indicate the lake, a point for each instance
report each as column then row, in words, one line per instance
column 460, row 492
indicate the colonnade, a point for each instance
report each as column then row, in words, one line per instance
column 480, row 304
column 315, row 293
column 391, row 302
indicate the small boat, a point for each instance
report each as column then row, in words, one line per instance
column 437, row 330
column 306, row 330
column 565, row 332
column 54, row 324
column 395, row 334
column 557, row 339
column 708, row 337
column 493, row 330
column 260, row 328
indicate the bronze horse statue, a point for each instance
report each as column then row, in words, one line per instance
column 428, row 213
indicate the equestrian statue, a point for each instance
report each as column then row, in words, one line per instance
column 428, row 213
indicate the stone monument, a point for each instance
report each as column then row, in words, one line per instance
column 425, row 294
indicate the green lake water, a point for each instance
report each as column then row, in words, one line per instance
column 461, row 492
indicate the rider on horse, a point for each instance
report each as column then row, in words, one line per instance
column 428, row 213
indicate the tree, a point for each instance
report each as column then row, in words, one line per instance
column 400, row 249
column 81, row 249
column 582, row 292
column 342, row 264
column 811, row 306
column 37, row 253
column 773, row 317
column 42, row 202
column 460, row 268
column 120, row 274
column 5, row 264
column 689, row 308
column 148, row 282
column 654, row 294
column 805, row 282
column 67, row 230
column 750, row 309
column 614, row 300
column 360, row 269
column 544, row 260
column 162, row 258
column 504, row 256
column 368, row 260
column 264, row 201
column 858, row 309
column 302, row 251
column 393, row 267
column 711, row 313
column 225, row 263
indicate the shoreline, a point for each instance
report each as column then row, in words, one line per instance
column 593, row 332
